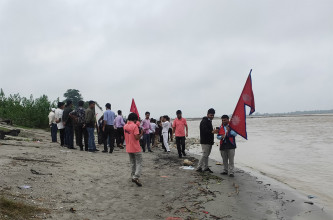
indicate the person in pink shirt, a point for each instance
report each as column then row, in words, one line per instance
column 179, row 125
column 133, row 148
column 145, row 125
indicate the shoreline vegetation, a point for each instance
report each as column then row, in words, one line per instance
column 32, row 112
column 70, row 184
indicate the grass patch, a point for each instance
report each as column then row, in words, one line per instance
column 17, row 210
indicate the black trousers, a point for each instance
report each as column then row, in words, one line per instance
column 81, row 132
column 180, row 141
column 62, row 136
column 152, row 139
column 120, row 136
column 109, row 133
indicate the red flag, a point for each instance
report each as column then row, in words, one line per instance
column 238, row 119
column 134, row 109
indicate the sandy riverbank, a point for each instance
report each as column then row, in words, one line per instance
column 98, row 186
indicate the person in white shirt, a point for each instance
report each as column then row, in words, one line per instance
column 58, row 117
column 152, row 131
column 165, row 132
column 53, row 125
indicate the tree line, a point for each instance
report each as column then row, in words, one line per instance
column 32, row 112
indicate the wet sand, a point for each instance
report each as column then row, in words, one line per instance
column 98, row 186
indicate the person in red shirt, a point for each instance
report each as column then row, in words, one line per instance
column 179, row 125
column 133, row 148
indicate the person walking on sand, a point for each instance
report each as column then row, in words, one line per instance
column 227, row 146
column 81, row 131
column 179, row 125
column 67, row 119
column 206, row 140
column 133, row 148
column 119, row 125
column 165, row 132
column 108, row 128
column 90, row 121
column 53, row 125
column 145, row 125
column 58, row 118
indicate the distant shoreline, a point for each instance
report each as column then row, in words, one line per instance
column 273, row 116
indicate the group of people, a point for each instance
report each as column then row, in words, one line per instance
column 138, row 135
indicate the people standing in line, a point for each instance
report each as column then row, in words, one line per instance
column 67, row 119
column 53, row 125
column 152, row 132
column 90, row 121
column 165, row 132
column 108, row 128
column 179, row 126
column 119, row 124
column 145, row 125
column 58, row 118
column 206, row 140
column 81, row 131
column 227, row 146
column 132, row 137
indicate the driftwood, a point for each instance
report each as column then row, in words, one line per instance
column 14, row 132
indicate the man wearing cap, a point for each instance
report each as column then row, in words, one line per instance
column 53, row 125
column 179, row 125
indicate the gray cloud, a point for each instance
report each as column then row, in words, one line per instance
column 170, row 55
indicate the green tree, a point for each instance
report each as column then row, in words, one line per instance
column 74, row 95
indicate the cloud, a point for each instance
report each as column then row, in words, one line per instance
column 169, row 55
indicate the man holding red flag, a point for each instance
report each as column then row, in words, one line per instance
column 227, row 146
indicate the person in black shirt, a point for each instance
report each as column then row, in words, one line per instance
column 206, row 140
column 67, row 120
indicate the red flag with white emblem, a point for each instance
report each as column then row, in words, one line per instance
column 238, row 119
column 134, row 109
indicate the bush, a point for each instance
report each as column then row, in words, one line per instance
column 28, row 112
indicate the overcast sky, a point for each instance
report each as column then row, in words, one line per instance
column 168, row 55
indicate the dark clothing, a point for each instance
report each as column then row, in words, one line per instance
column 180, row 141
column 152, row 139
column 54, row 130
column 146, row 142
column 170, row 134
column 120, row 136
column 81, row 132
column 228, row 144
column 62, row 136
column 80, row 113
column 109, row 133
column 66, row 117
column 206, row 129
column 69, row 133
column 90, row 118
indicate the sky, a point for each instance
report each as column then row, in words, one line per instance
column 171, row 54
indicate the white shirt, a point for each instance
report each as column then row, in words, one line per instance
column 152, row 128
column 52, row 118
column 165, row 126
column 58, row 115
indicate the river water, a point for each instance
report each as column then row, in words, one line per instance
column 297, row 151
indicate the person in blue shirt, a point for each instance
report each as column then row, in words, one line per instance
column 227, row 146
column 108, row 128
